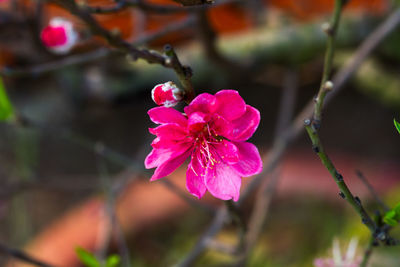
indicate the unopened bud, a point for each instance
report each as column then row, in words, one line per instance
column 166, row 94
column 59, row 35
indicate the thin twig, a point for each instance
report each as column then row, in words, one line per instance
column 237, row 218
column 114, row 227
column 95, row 54
column 365, row 49
column 167, row 29
column 361, row 176
column 312, row 125
column 268, row 187
column 169, row 60
column 331, row 31
column 154, row 8
column 132, row 164
column 219, row 219
column 207, row 37
column 111, row 155
column 57, row 64
column 113, row 39
column 184, row 73
column 344, row 190
column 188, row 198
column 12, row 189
column 344, row 74
column 297, row 126
column 22, row 256
column 368, row 252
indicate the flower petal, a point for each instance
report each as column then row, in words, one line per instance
column 161, row 115
column 195, row 178
column 196, row 121
column 227, row 151
column 159, row 156
column 170, row 165
column 169, row 135
column 223, row 182
column 250, row 162
column 230, row 104
column 220, row 125
column 204, row 103
column 244, row 127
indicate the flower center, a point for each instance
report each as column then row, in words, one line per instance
column 205, row 152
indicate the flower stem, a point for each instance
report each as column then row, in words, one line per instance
column 367, row 253
column 344, row 190
column 331, row 30
column 312, row 126
column 184, row 73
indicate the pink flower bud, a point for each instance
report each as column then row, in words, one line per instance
column 166, row 94
column 59, row 36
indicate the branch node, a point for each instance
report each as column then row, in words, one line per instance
column 315, row 148
column 167, row 61
column 168, row 49
column 328, row 86
column 188, row 71
column 339, row 177
column 358, row 200
column 316, row 124
column 327, row 28
column 380, row 235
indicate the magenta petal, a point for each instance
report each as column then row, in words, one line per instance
column 159, row 156
column 244, row 127
column 227, row 151
column 170, row 130
column 250, row 162
column 169, row 166
column 230, row 104
column 220, row 125
column 195, row 179
column 204, row 103
column 196, row 122
column 169, row 135
column 161, row 115
column 223, row 182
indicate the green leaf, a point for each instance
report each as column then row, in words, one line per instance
column 390, row 218
column 396, row 209
column 390, row 214
column 87, row 258
column 397, row 125
column 6, row 108
column 390, row 221
column 113, row 261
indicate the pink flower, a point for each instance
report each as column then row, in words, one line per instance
column 59, row 36
column 212, row 132
column 166, row 94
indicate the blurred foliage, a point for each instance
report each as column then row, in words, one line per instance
column 6, row 108
column 90, row 260
column 397, row 125
column 289, row 238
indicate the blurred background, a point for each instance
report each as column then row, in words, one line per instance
column 75, row 176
